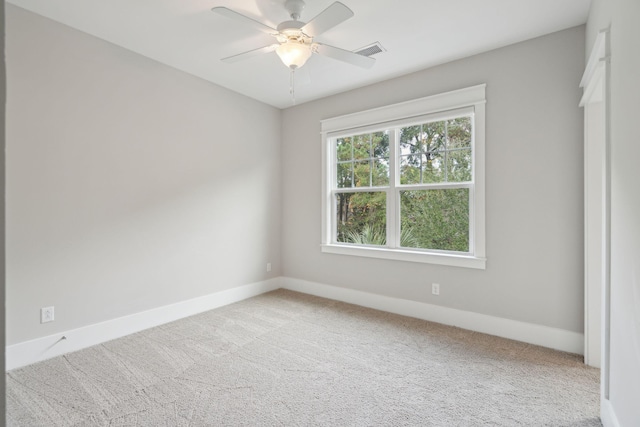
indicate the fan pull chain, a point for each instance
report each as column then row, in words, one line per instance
column 292, row 88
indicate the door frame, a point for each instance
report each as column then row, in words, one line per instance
column 596, row 102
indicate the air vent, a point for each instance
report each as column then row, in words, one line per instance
column 370, row 50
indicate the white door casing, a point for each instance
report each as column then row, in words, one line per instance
column 595, row 100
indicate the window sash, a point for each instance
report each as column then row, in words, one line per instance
column 393, row 216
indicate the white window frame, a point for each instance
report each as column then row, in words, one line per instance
column 443, row 105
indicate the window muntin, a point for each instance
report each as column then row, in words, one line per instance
column 436, row 148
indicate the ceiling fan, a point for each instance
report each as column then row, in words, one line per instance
column 295, row 38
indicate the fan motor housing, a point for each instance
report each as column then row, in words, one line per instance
column 290, row 25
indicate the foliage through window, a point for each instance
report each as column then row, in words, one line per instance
column 408, row 185
column 428, row 154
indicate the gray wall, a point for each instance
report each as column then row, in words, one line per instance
column 622, row 16
column 534, row 189
column 130, row 185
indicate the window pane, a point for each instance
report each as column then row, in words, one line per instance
column 422, row 169
column 362, row 146
column 343, row 149
column 433, row 136
column 408, row 139
column 435, row 219
column 362, row 174
column 422, row 138
column 380, row 144
column 459, row 133
column 433, row 168
column 410, row 169
column 344, row 175
column 459, row 165
column 380, row 172
column 361, row 218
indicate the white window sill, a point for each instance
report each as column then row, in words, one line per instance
column 455, row 260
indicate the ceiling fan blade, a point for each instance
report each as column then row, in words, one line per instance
column 245, row 19
column 327, row 19
column 344, row 55
column 250, row 54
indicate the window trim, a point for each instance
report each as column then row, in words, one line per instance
column 384, row 117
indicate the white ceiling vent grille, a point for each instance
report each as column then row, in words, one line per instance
column 370, row 50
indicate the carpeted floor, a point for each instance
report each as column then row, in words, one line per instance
column 290, row 359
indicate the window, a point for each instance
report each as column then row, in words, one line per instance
column 406, row 182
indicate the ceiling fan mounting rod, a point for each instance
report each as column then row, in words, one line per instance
column 294, row 7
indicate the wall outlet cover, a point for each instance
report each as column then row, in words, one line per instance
column 47, row 314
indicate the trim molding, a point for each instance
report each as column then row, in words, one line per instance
column 28, row 352
column 459, row 98
column 607, row 414
column 599, row 52
column 558, row 339
column 400, row 254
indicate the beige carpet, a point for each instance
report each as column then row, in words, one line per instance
column 290, row 359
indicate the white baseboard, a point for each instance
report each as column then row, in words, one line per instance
column 28, row 352
column 607, row 414
column 33, row 351
column 558, row 339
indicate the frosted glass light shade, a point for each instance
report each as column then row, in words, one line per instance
column 294, row 54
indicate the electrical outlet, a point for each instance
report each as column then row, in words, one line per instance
column 46, row 314
column 435, row 288
column 268, row 267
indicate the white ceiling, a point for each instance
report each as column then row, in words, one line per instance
column 417, row 34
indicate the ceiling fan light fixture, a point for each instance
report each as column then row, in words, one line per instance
column 295, row 38
column 294, row 54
